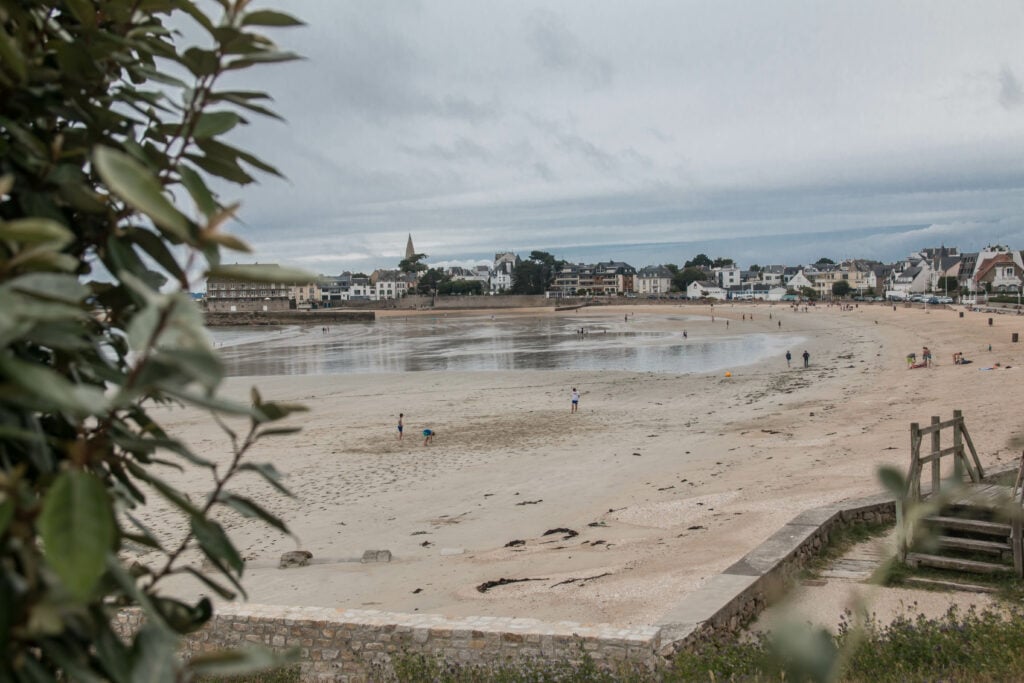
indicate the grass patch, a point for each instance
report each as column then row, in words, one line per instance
column 288, row 674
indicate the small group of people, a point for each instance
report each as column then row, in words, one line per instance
column 428, row 434
column 958, row 359
column 806, row 356
column 926, row 359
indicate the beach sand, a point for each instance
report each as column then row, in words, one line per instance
column 666, row 479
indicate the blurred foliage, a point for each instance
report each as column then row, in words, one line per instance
column 111, row 134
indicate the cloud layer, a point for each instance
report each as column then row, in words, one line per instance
column 769, row 132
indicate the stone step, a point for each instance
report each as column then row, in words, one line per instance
column 970, row 566
column 973, row 525
column 948, row 585
column 975, row 545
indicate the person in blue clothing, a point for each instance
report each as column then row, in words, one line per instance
column 428, row 436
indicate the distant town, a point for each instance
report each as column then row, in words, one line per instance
column 933, row 275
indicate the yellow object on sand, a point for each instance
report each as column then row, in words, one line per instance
column 728, row 374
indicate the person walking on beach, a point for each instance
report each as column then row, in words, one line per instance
column 400, row 425
column 428, row 436
column 789, row 357
column 807, row 358
column 575, row 400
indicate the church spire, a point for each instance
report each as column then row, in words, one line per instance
column 409, row 251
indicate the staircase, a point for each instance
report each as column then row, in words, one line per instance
column 967, row 539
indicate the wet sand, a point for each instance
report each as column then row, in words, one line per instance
column 666, row 479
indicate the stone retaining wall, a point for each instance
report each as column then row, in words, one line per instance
column 319, row 317
column 353, row 645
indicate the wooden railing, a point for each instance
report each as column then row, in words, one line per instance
column 971, row 466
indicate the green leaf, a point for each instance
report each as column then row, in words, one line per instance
column 268, row 57
column 249, row 508
column 184, row 618
column 269, row 474
column 211, row 584
column 35, row 230
column 223, row 168
column 156, row 248
column 53, row 286
column 262, row 273
column 238, row 662
column 269, row 18
column 215, row 123
column 40, row 383
column 200, row 193
column 140, row 189
column 153, row 656
column 272, row 411
column 215, row 543
column 893, row 480
column 78, row 530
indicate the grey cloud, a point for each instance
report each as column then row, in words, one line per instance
column 461, row 149
column 559, row 49
column 1011, row 94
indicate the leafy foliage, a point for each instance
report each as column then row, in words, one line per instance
column 431, row 281
column 107, row 128
column 698, row 261
column 536, row 274
column 413, row 264
column 688, row 275
column 841, row 288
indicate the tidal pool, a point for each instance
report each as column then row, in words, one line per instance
column 479, row 343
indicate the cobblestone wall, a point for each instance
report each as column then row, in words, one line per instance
column 346, row 645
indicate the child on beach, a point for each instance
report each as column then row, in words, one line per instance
column 400, row 425
column 428, row 436
column 575, row 400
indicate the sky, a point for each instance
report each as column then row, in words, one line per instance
column 646, row 131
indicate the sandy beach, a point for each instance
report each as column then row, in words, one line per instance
column 662, row 480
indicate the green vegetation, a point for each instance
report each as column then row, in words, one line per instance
column 841, row 288
column 112, row 133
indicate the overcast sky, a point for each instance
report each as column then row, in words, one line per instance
column 770, row 132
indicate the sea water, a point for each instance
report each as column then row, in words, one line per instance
column 479, row 343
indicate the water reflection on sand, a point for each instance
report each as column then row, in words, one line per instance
column 480, row 343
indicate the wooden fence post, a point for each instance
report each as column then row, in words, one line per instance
column 937, row 462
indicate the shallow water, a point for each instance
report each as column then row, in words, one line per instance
column 481, row 344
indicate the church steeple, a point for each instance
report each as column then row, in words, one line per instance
column 409, row 251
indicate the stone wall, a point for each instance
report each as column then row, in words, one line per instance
column 288, row 317
column 357, row 645
column 352, row 645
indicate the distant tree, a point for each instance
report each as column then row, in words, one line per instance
column 460, row 287
column 431, row 280
column 809, row 293
column 824, row 261
column 671, row 267
column 413, row 264
column 535, row 274
column 361, row 275
column 683, row 278
column 754, row 268
column 841, row 288
column 948, row 283
column 722, row 262
column 699, row 260
column 544, row 257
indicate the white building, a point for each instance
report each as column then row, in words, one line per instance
column 501, row 275
column 653, row 280
column 700, row 289
column 727, row 276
